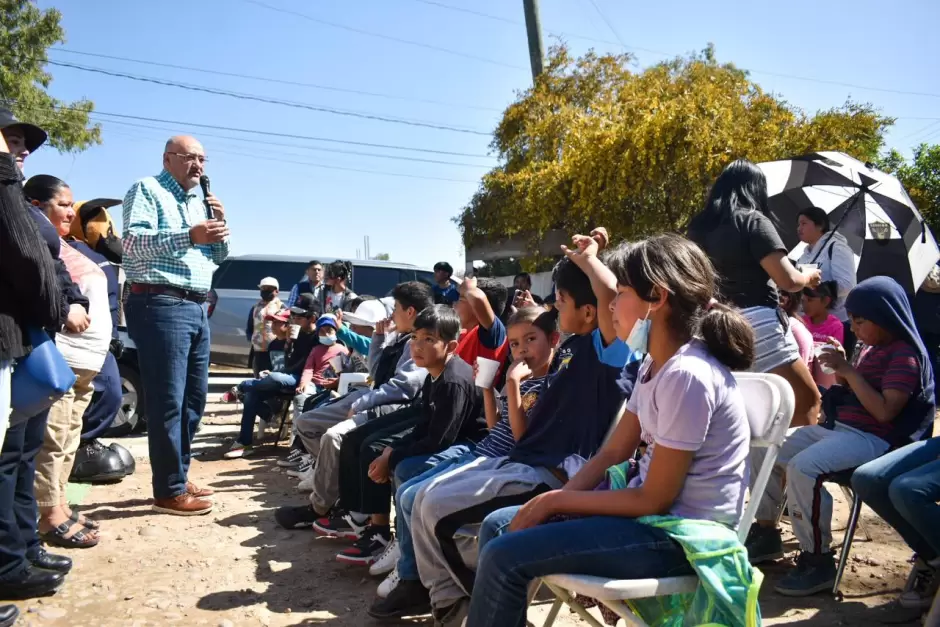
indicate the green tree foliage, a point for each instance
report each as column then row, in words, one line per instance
column 921, row 179
column 26, row 32
column 593, row 142
column 382, row 257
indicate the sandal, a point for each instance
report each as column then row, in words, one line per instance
column 78, row 540
column 87, row 523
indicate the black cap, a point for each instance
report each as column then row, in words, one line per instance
column 34, row 136
column 306, row 305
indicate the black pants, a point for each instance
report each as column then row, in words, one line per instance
column 18, row 511
column 359, row 449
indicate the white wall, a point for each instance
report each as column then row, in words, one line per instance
column 541, row 283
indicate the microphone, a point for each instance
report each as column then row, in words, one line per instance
column 204, row 184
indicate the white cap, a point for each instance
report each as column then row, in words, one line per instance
column 269, row 281
column 367, row 314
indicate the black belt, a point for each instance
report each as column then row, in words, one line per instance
column 165, row 290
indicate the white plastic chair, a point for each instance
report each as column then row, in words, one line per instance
column 348, row 379
column 769, row 400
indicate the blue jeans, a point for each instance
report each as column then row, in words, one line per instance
column 903, row 487
column 257, row 391
column 449, row 459
column 18, row 511
column 603, row 546
column 496, row 524
column 172, row 338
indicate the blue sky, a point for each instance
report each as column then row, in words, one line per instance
column 278, row 202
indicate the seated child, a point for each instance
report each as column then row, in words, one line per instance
column 685, row 404
column 880, row 401
column 451, row 411
column 532, row 335
column 396, row 380
column 325, row 361
column 790, row 303
column 817, row 304
column 570, row 418
column 484, row 334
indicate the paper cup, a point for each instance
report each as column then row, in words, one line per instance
column 818, row 349
column 294, row 331
column 337, row 363
column 486, row 372
column 809, row 267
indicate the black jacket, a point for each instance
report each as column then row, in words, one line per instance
column 29, row 291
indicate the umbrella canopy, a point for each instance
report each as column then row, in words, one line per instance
column 867, row 206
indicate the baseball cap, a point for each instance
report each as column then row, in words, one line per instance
column 33, row 135
column 306, row 305
column 368, row 314
column 326, row 320
column 269, row 281
column 281, row 316
column 824, row 289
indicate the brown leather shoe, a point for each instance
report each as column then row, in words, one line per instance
column 182, row 505
column 199, row 493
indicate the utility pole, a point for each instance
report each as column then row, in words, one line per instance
column 533, row 27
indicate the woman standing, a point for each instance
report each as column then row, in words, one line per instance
column 748, row 253
column 85, row 353
column 835, row 260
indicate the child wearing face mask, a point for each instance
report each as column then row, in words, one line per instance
column 260, row 332
column 320, row 368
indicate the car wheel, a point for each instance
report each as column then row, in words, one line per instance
column 132, row 397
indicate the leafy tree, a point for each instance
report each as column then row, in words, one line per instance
column 26, row 32
column 593, row 142
column 382, row 257
column 921, row 179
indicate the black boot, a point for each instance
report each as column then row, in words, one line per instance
column 94, row 462
column 50, row 561
column 126, row 458
column 8, row 615
column 34, row 582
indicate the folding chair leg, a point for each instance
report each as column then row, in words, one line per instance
column 280, row 427
column 850, row 497
column 783, row 508
column 564, row 597
column 847, row 541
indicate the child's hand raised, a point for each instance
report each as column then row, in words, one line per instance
column 585, row 247
column 600, row 236
column 519, row 371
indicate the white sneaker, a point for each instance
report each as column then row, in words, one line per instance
column 387, row 561
column 292, row 460
column 389, row 584
column 306, row 464
column 306, row 482
column 238, row 450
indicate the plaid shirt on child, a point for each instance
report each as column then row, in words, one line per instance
column 158, row 214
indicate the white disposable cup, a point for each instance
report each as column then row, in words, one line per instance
column 820, row 348
column 809, row 267
column 337, row 363
column 486, row 372
column 294, row 331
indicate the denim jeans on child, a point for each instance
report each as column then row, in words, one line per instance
column 603, row 546
column 257, row 391
column 449, row 459
column 903, row 487
column 172, row 338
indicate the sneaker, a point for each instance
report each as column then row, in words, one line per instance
column 296, row 517
column 763, row 544
column 388, row 584
column 231, row 396
column 292, row 460
column 306, row 482
column 387, row 561
column 814, row 573
column 453, row 615
column 339, row 524
column 921, row 587
column 408, row 598
column 238, row 450
column 305, row 465
column 368, row 547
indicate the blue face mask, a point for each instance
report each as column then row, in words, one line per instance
column 639, row 338
column 328, row 340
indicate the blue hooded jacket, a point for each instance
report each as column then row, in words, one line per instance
column 882, row 300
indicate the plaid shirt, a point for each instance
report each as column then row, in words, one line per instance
column 158, row 214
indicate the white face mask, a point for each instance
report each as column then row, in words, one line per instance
column 328, row 340
column 639, row 338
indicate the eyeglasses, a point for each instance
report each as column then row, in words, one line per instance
column 189, row 157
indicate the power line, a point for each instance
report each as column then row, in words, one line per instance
column 606, row 21
column 265, row 79
column 287, row 145
column 383, row 36
column 266, row 132
column 919, row 131
column 264, row 99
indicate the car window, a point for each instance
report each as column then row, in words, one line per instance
column 372, row 281
column 243, row 274
column 426, row 277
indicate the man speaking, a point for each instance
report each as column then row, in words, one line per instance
column 171, row 250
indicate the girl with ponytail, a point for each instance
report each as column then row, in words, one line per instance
column 685, row 406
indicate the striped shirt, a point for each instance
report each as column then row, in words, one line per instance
column 500, row 440
column 891, row 367
column 158, row 214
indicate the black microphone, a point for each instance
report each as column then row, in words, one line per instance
column 204, row 184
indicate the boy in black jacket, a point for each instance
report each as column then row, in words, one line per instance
column 451, row 413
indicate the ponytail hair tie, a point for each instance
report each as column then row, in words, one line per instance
column 711, row 303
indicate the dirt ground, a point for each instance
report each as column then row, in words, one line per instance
column 235, row 567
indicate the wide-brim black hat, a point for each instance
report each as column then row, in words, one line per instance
column 33, row 135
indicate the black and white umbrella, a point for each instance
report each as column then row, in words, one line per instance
column 867, row 206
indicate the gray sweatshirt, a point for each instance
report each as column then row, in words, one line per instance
column 404, row 385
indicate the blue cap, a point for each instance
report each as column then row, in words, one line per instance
column 326, row 320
